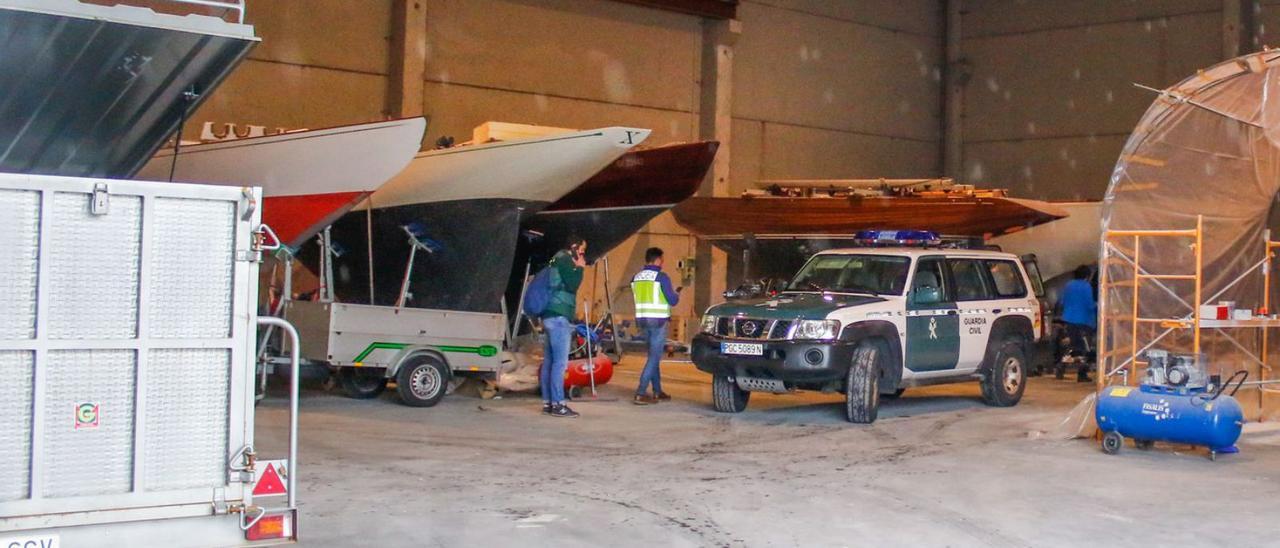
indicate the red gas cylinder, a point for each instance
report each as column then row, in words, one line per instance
column 579, row 372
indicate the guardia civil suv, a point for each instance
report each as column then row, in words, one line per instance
column 874, row 321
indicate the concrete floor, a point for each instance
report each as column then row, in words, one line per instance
column 937, row 469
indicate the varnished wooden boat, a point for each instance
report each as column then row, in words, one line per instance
column 765, row 216
column 619, row 200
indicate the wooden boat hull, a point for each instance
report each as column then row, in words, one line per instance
column 615, row 203
column 732, row 218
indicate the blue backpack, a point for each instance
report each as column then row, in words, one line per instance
column 537, row 297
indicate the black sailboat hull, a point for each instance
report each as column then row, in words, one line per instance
column 474, row 245
column 603, row 229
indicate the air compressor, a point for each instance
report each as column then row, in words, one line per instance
column 1177, row 402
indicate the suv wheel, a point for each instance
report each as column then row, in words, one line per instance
column 1006, row 378
column 727, row 396
column 862, row 385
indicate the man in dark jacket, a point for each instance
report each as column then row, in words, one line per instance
column 557, row 325
column 654, row 298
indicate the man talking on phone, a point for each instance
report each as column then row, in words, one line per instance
column 654, row 299
column 557, row 322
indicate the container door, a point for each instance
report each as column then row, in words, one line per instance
column 126, row 348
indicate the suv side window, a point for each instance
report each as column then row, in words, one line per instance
column 969, row 280
column 1007, row 279
column 929, row 273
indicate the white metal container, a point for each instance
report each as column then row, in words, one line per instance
column 127, row 332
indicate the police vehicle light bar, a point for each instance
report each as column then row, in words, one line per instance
column 898, row 238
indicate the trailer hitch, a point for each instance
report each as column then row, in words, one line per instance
column 245, row 512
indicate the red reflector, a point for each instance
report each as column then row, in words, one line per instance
column 269, row 527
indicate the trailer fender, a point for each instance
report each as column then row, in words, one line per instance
column 412, row 351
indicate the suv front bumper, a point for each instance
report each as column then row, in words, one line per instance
column 787, row 361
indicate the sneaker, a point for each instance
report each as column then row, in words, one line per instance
column 662, row 396
column 563, row 411
column 546, row 409
column 643, row 399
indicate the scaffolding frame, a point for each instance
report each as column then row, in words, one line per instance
column 1109, row 354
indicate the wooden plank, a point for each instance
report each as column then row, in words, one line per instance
column 711, row 9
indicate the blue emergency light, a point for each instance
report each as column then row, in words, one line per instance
column 898, row 238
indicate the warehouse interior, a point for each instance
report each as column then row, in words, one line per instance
column 381, row 204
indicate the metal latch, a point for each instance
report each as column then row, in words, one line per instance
column 243, row 463
column 260, row 242
column 101, row 200
column 250, row 204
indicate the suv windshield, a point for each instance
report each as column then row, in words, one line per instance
column 875, row 274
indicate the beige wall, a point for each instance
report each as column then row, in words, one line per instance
column 320, row 63
column 1051, row 99
column 836, row 90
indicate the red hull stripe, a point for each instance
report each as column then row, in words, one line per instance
column 296, row 218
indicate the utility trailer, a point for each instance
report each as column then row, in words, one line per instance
column 127, row 337
column 421, row 349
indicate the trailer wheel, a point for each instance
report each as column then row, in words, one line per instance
column 422, row 381
column 362, row 384
column 727, row 396
column 862, row 385
column 1112, row 442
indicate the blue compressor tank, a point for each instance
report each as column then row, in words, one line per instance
column 1158, row 413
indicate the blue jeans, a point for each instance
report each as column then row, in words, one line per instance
column 555, row 358
column 657, row 339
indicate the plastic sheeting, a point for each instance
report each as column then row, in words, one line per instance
column 1208, row 146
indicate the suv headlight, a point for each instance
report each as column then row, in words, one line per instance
column 709, row 324
column 820, row 330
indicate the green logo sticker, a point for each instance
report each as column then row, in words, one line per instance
column 488, row 351
column 86, row 415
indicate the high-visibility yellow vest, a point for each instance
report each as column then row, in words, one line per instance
column 651, row 302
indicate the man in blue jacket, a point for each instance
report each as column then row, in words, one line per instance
column 654, row 298
column 1080, row 312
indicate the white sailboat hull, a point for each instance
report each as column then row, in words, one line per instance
column 308, row 178
column 534, row 170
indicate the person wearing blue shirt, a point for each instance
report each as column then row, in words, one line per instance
column 654, row 298
column 1080, row 313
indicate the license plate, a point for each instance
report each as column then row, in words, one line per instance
column 742, row 349
column 35, row 541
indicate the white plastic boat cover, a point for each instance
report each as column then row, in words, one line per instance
column 1208, row 146
column 88, row 90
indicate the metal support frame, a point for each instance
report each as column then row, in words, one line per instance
column 1108, row 355
column 291, row 479
column 1142, row 278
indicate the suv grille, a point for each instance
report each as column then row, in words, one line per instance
column 780, row 329
column 752, row 328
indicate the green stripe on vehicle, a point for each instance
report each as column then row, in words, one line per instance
column 483, row 350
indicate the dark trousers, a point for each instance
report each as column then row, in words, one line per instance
column 1079, row 337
